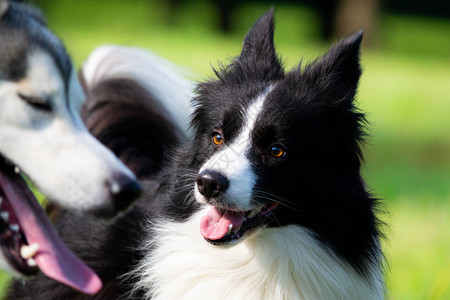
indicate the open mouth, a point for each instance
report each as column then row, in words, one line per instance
column 28, row 239
column 221, row 226
column 13, row 241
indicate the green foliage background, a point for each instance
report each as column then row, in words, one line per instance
column 405, row 90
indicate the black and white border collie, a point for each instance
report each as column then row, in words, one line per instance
column 264, row 201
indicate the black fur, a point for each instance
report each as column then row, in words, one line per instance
column 23, row 30
column 310, row 111
column 128, row 121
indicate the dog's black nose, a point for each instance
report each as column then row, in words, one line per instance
column 211, row 183
column 123, row 190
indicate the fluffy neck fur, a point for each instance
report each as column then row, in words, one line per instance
column 276, row 263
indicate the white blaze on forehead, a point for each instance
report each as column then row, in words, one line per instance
column 233, row 162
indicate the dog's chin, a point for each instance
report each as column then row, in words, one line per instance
column 233, row 239
column 226, row 227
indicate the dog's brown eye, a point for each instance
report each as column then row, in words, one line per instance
column 217, row 138
column 277, row 151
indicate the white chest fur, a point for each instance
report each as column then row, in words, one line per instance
column 276, row 263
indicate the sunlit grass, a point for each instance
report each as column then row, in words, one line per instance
column 404, row 90
column 418, row 248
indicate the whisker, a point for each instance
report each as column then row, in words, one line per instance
column 185, row 181
column 269, row 196
column 270, row 216
column 190, row 198
column 274, row 196
column 276, row 200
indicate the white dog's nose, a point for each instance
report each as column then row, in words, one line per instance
column 123, row 190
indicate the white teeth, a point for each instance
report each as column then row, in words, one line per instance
column 14, row 227
column 4, row 215
column 230, row 227
column 31, row 262
column 259, row 208
column 29, row 251
column 255, row 211
column 251, row 214
column 16, row 169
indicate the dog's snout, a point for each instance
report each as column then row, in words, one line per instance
column 123, row 190
column 211, row 183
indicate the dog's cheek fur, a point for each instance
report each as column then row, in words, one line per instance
column 329, row 120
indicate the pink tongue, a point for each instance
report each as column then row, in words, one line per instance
column 53, row 258
column 215, row 224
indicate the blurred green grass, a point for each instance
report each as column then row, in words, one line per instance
column 404, row 90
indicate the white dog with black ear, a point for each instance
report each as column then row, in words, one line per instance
column 43, row 139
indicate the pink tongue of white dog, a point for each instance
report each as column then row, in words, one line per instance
column 53, row 258
column 216, row 223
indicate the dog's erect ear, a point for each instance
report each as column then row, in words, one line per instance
column 4, row 7
column 338, row 71
column 259, row 40
column 258, row 51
